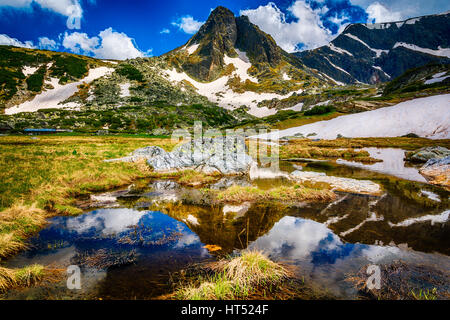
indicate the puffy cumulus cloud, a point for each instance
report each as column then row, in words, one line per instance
column 8, row 41
column 305, row 31
column 80, row 42
column 379, row 13
column 188, row 24
column 108, row 45
column 47, row 44
column 69, row 8
column 115, row 45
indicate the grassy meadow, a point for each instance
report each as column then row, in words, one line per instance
column 43, row 176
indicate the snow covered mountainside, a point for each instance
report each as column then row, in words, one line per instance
column 54, row 97
column 427, row 117
column 371, row 53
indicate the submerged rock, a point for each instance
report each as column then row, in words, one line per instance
column 208, row 155
column 428, row 153
column 437, row 171
column 338, row 183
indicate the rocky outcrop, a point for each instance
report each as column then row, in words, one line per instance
column 226, row 156
column 437, row 171
column 425, row 154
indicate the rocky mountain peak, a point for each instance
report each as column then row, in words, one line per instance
column 219, row 28
column 221, row 34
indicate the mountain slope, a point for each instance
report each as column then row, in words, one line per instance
column 25, row 73
column 87, row 95
column 372, row 53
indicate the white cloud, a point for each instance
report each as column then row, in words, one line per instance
column 47, row 44
column 307, row 29
column 15, row 3
column 188, row 24
column 68, row 8
column 379, row 13
column 108, row 45
column 8, row 41
column 165, row 31
column 408, row 8
column 80, row 42
column 117, row 45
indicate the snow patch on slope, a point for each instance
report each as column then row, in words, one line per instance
column 192, row 49
column 427, row 117
column 125, row 89
column 51, row 99
column 338, row 50
column 379, row 68
column 242, row 64
column 337, row 67
column 29, row 70
column 378, row 52
column 441, row 52
column 438, row 77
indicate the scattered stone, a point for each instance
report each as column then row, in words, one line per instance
column 338, row 183
column 163, row 185
column 227, row 182
column 425, row 154
column 437, row 171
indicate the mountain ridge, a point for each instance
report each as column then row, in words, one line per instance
column 372, row 53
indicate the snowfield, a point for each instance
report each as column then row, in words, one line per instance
column 427, row 117
column 219, row 92
column 51, row 99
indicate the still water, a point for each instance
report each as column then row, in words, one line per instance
column 131, row 247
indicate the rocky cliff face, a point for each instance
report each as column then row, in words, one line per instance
column 372, row 53
column 221, row 35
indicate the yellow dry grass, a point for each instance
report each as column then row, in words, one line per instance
column 235, row 278
column 297, row 193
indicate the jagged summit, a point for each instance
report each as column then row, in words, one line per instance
column 221, row 35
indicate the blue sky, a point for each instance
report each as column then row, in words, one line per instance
column 115, row 29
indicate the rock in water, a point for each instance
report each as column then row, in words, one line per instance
column 425, row 154
column 209, row 155
column 338, row 183
column 437, row 171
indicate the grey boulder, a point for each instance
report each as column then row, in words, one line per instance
column 428, row 153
